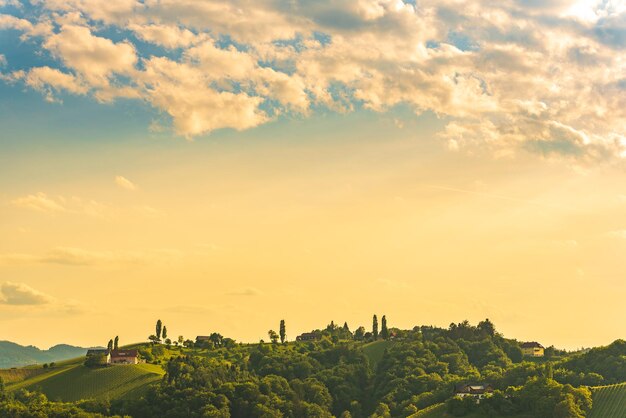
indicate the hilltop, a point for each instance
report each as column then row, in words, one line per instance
column 16, row 355
column 336, row 372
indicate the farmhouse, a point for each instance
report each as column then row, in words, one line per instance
column 308, row 336
column 124, row 357
column 478, row 391
column 532, row 349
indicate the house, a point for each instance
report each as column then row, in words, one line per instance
column 308, row 336
column 202, row 338
column 124, row 357
column 100, row 352
column 477, row 391
column 532, row 349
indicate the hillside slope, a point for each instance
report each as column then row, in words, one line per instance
column 609, row 401
column 74, row 382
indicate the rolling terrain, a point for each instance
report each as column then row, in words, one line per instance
column 15, row 355
column 72, row 381
column 609, row 401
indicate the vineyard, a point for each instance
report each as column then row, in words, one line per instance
column 609, row 401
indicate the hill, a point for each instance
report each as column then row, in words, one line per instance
column 15, row 355
column 375, row 351
column 609, row 401
column 73, row 381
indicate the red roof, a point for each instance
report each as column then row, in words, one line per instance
column 124, row 353
column 532, row 344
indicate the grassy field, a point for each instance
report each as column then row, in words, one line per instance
column 609, row 401
column 435, row 411
column 73, row 382
column 375, row 351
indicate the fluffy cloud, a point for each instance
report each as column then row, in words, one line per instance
column 124, row 183
column 39, row 202
column 509, row 76
column 21, row 294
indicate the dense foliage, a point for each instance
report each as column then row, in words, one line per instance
column 338, row 374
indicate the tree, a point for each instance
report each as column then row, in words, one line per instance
column 359, row 333
column 168, row 342
column 486, row 327
column 375, row 327
column 283, row 332
column 346, row 328
column 116, row 343
column 154, row 339
column 164, row 335
column 273, row 336
column 110, row 345
column 216, row 339
column 159, row 325
column 181, row 340
column 384, row 332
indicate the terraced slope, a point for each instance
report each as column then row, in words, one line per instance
column 75, row 381
column 609, row 401
column 375, row 351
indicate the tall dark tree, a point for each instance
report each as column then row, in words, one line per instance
column 110, row 345
column 116, row 343
column 164, row 332
column 487, row 327
column 282, row 331
column 159, row 326
column 346, row 327
column 375, row 327
column 384, row 332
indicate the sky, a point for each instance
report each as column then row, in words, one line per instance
column 225, row 165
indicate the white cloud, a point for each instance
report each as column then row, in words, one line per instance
column 39, row 202
column 94, row 57
column 168, row 36
column 124, row 183
column 21, row 294
column 508, row 76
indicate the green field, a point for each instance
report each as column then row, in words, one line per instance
column 73, row 382
column 375, row 351
column 609, row 401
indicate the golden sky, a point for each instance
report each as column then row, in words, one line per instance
column 233, row 235
column 223, row 165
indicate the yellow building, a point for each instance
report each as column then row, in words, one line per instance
column 532, row 349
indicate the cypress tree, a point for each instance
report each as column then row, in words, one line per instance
column 282, row 331
column 375, row 327
column 384, row 332
column 159, row 325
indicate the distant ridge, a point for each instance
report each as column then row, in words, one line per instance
column 15, row 355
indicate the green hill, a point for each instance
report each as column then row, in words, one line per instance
column 72, row 382
column 375, row 351
column 609, row 401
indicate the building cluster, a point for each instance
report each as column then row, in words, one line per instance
column 116, row 356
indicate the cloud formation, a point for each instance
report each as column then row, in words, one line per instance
column 543, row 77
column 124, row 183
column 21, row 294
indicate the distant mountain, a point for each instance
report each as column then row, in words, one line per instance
column 15, row 355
